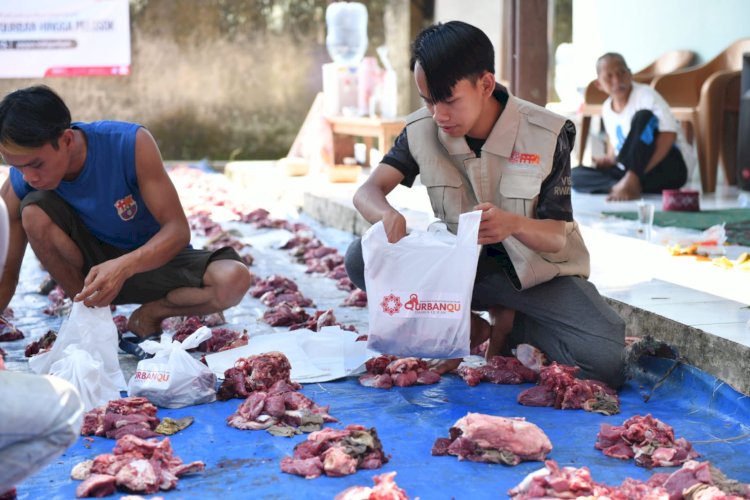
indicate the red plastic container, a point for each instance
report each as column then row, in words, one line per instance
column 680, row 200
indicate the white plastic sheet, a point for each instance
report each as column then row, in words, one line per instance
column 329, row 354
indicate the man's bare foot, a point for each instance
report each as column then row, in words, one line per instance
column 142, row 323
column 627, row 188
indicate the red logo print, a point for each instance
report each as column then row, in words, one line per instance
column 126, row 207
column 525, row 158
column 412, row 303
column 391, row 304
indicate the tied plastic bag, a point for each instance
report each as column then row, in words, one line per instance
column 419, row 290
column 85, row 354
column 173, row 378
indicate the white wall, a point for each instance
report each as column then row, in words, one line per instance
column 486, row 15
column 641, row 30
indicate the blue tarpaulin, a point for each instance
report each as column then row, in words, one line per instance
column 245, row 464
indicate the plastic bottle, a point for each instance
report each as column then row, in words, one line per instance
column 367, row 78
column 346, row 38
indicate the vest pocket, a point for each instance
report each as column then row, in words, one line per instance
column 446, row 200
column 518, row 192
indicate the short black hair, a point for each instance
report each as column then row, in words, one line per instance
column 449, row 52
column 33, row 117
column 611, row 55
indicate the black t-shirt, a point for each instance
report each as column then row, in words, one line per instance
column 554, row 195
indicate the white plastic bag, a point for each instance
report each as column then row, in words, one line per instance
column 419, row 290
column 85, row 354
column 173, row 378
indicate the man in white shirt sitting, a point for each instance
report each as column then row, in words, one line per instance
column 646, row 151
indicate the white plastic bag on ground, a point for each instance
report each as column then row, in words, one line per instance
column 419, row 290
column 85, row 354
column 173, row 378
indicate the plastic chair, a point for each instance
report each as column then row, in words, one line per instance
column 593, row 97
column 706, row 99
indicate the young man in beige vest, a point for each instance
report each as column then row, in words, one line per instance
column 475, row 147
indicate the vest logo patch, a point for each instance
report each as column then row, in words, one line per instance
column 521, row 159
column 126, row 207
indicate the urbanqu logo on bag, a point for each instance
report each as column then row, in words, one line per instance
column 156, row 376
column 414, row 304
column 391, row 304
column 442, row 307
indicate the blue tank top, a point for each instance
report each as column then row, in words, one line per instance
column 105, row 195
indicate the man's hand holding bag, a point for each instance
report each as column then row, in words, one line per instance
column 419, row 290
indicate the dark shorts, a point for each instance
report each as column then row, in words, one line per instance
column 186, row 269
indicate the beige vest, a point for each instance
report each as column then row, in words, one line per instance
column 516, row 158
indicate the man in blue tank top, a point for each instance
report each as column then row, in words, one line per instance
column 97, row 206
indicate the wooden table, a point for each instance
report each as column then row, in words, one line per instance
column 369, row 128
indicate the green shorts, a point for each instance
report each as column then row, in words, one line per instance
column 186, row 269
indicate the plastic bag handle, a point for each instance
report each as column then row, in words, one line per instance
column 468, row 227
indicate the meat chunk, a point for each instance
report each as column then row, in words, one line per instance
column 648, row 440
column 385, row 489
column 282, row 411
column 335, row 452
column 135, row 465
column 255, row 373
column 8, row 332
column 132, row 415
column 44, row 344
column 487, row 438
column 385, row 371
column 558, row 387
column 97, row 485
column 499, row 370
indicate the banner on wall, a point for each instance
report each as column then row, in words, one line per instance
column 40, row 38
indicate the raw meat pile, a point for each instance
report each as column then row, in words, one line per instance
column 135, row 465
column 385, row 489
column 558, row 387
column 277, row 289
column 255, row 373
column 319, row 319
column 385, row 371
column 498, row 370
column 570, row 482
column 221, row 338
column 499, row 440
column 336, row 452
column 357, row 298
column 121, row 322
column 119, row 417
column 285, row 315
column 647, row 439
column 281, row 410
column 188, row 324
column 695, row 480
column 60, row 303
column 8, row 332
column 201, row 224
column 700, row 481
column 309, row 250
column 43, row 344
column 286, row 306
